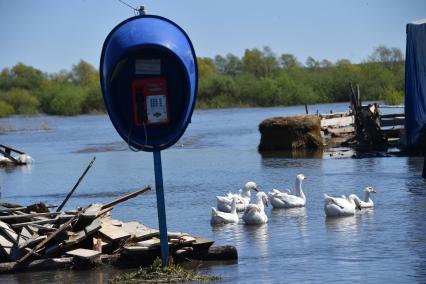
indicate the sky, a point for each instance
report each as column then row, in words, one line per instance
column 52, row 35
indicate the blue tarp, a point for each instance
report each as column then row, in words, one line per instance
column 415, row 82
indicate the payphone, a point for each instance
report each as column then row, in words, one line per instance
column 150, row 101
column 149, row 81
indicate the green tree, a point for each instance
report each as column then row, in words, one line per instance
column 289, row 61
column 21, row 100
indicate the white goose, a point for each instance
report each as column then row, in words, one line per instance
column 255, row 213
column 367, row 202
column 339, row 206
column 219, row 217
column 243, row 198
column 280, row 199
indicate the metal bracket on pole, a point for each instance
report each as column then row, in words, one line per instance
column 161, row 208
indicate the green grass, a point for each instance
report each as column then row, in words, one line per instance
column 155, row 273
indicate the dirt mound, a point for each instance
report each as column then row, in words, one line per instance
column 289, row 133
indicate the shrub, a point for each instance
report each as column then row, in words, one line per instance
column 6, row 109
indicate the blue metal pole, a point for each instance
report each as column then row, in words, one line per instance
column 161, row 208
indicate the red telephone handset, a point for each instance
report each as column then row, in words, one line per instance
column 150, row 101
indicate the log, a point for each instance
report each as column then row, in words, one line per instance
column 219, row 253
column 37, row 265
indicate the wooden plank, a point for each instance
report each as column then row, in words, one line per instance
column 139, row 231
column 27, row 216
column 154, row 242
column 89, row 230
column 392, row 122
column 6, row 231
column 24, row 236
column 392, row 115
column 341, row 130
column 135, row 249
column 9, row 148
column 92, row 211
column 46, row 221
column 83, row 253
column 5, row 210
column 126, row 197
column 338, row 121
column 32, row 241
column 51, row 236
column 113, row 232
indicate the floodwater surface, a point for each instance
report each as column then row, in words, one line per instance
column 218, row 154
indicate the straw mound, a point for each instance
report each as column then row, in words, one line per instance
column 289, row 133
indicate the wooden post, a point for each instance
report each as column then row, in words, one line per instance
column 75, row 186
column 306, row 109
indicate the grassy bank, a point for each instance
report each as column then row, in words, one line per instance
column 258, row 78
column 158, row 274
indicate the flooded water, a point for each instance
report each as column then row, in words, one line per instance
column 218, row 154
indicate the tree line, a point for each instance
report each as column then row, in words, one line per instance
column 258, row 78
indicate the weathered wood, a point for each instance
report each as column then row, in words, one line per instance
column 92, row 211
column 392, row 115
column 6, row 245
column 24, row 236
column 135, row 249
column 89, row 230
column 9, row 149
column 51, row 236
column 338, row 121
column 83, row 253
column 220, row 253
column 37, row 265
column 10, row 210
column 392, row 122
column 39, row 222
column 32, row 241
column 139, row 231
column 113, row 232
column 126, row 197
column 341, row 130
column 6, row 231
column 75, row 186
column 154, row 242
column 27, row 216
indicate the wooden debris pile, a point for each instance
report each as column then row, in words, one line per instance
column 34, row 238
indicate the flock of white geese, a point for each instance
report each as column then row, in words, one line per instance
column 229, row 205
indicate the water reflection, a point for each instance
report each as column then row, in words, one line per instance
column 258, row 236
column 292, row 216
column 293, row 154
column 416, row 233
column 25, row 169
column 345, row 225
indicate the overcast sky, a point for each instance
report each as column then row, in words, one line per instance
column 55, row 34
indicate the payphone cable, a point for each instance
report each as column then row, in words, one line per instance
column 140, row 11
column 141, row 145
